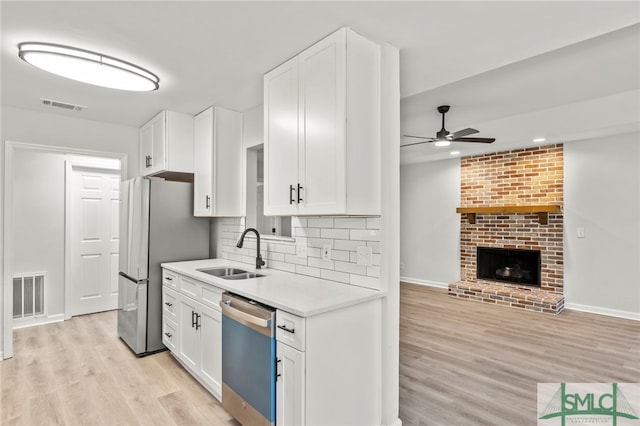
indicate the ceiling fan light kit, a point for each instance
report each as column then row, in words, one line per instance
column 444, row 137
column 88, row 67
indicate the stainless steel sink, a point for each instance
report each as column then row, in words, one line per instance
column 243, row 276
column 230, row 273
column 222, row 272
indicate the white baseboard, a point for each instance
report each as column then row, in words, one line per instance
column 39, row 321
column 1, row 356
column 603, row 311
column 396, row 422
column 424, row 282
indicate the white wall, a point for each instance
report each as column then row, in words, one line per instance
column 602, row 195
column 429, row 224
column 19, row 125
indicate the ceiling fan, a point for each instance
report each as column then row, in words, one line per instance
column 444, row 137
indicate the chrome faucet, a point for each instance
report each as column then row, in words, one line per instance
column 259, row 261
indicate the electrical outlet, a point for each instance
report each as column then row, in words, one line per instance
column 401, row 265
column 301, row 249
column 326, row 252
column 364, row 255
column 580, row 232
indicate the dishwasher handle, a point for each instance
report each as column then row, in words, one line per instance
column 237, row 314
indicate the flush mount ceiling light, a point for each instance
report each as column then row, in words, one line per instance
column 88, row 67
column 540, row 140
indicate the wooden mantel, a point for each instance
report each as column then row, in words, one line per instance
column 542, row 211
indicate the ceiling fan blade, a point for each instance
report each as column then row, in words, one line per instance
column 419, row 137
column 477, row 140
column 461, row 133
column 425, row 140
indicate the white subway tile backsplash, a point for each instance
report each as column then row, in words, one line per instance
column 306, row 270
column 340, row 255
column 364, row 234
column 375, row 246
column 350, row 222
column 292, row 258
column 334, row 276
column 319, row 263
column 373, row 223
column 343, row 234
column 298, row 222
column 282, row 266
column 351, row 268
column 309, row 232
column 319, row 242
column 320, row 222
column 272, row 255
column 286, row 248
column 348, row 245
column 314, row 252
column 362, row 281
column 338, row 234
column 373, row 271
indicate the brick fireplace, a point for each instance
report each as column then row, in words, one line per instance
column 513, row 200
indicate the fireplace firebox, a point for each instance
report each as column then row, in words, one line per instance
column 513, row 266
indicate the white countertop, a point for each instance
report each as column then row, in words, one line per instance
column 297, row 294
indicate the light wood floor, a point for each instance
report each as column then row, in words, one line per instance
column 78, row 372
column 461, row 363
column 469, row 363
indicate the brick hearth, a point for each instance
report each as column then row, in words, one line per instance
column 524, row 177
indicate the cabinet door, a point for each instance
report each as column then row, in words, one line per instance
column 290, row 386
column 322, row 155
column 211, row 348
column 146, row 148
column 281, row 139
column 202, row 163
column 188, row 336
column 228, row 163
column 159, row 150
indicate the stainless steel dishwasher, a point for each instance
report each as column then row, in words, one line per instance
column 248, row 360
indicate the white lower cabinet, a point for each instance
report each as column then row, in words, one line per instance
column 328, row 366
column 192, row 331
column 290, row 386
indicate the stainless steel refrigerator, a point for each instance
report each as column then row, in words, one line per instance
column 156, row 226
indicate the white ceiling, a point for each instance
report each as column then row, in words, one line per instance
column 513, row 70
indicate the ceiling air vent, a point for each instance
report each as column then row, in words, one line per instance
column 63, row 105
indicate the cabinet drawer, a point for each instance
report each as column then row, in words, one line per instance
column 210, row 296
column 189, row 286
column 290, row 329
column 170, row 279
column 169, row 304
column 169, row 334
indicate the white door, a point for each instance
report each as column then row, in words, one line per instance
column 94, row 239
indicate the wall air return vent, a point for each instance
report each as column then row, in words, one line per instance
column 28, row 295
column 63, row 105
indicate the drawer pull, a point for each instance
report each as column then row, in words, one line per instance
column 169, row 304
column 288, row 330
column 169, row 335
column 168, row 279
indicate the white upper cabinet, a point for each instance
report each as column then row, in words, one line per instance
column 218, row 163
column 322, row 130
column 166, row 144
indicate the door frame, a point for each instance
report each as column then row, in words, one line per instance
column 7, row 256
column 86, row 164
